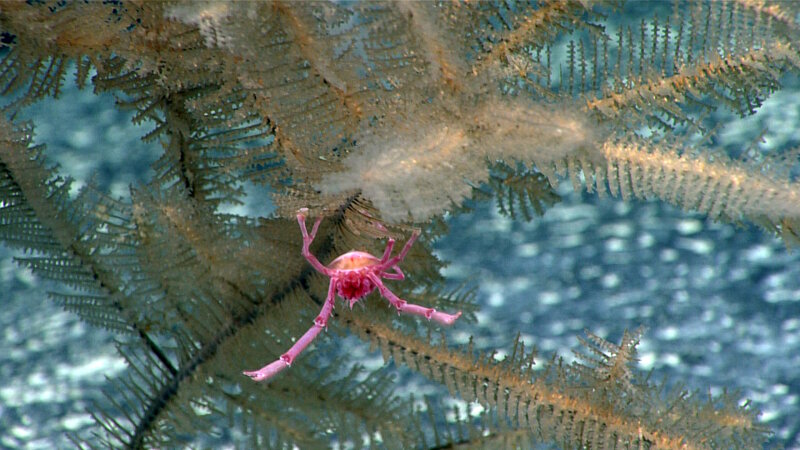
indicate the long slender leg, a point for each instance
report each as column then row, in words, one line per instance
column 396, row 260
column 287, row 358
column 308, row 239
column 410, row 308
column 388, row 251
column 397, row 275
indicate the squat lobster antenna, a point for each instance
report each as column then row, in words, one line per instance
column 353, row 275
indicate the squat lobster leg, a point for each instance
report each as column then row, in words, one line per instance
column 410, row 308
column 308, row 239
column 286, row 359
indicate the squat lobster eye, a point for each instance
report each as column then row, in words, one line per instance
column 353, row 275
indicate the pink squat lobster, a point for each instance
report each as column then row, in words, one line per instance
column 353, row 275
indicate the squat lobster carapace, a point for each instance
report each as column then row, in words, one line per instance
column 353, row 275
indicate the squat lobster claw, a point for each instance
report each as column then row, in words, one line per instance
column 353, row 275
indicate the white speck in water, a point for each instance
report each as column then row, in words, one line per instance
column 767, row 415
column 726, row 321
column 527, row 250
column 567, row 242
column 549, row 297
column 758, row 253
column 373, row 363
column 81, row 138
column 689, row 226
column 482, row 317
column 496, row 299
column 615, row 245
column 697, row 246
column 777, row 280
column 26, row 277
column 671, row 359
column 646, row 240
column 77, row 421
column 619, row 230
column 647, row 360
column 457, row 410
column 779, row 389
column 557, row 328
column 782, row 295
column 459, row 337
column 668, row 333
column 610, row 281
column 100, row 366
column 520, row 284
column 590, row 272
column 475, row 409
column 668, row 255
column 21, row 432
column 790, row 324
column 703, row 370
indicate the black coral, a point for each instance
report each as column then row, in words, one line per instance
column 381, row 117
